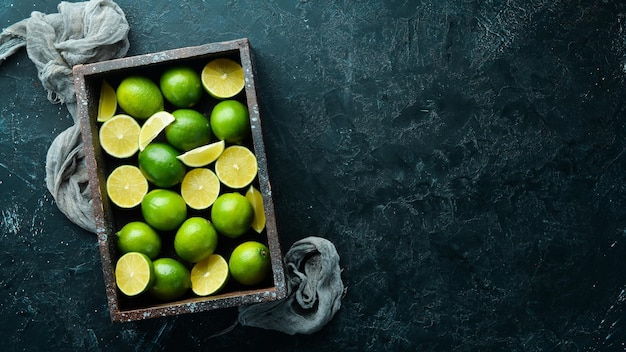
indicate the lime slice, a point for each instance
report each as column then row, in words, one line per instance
column 134, row 273
column 236, row 167
column 200, row 188
column 209, row 275
column 119, row 136
column 126, row 186
column 153, row 126
column 107, row 105
column 223, row 78
column 204, row 155
column 255, row 198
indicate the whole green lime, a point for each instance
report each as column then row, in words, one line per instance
column 232, row 214
column 159, row 165
column 195, row 240
column 181, row 86
column 171, row 279
column 137, row 236
column 191, row 129
column 163, row 209
column 250, row 263
column 139, row 97
column 230, row 121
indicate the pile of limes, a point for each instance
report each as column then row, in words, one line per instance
column 190, row 175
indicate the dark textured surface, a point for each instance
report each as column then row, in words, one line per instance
column 465, row 157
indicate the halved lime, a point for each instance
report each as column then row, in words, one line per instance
column 209, row 275
column 126, row 186
column 200, row 188
column 236, row 167
column 119, row 136
column 223, row 78
column 134, row 273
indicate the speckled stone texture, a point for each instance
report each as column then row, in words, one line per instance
column 466, row 158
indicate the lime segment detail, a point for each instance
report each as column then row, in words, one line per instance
column 204, row 155
column 107, row 105
column 153, row 126
column 255, row 198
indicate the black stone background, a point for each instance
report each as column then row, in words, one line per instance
column 466, row 158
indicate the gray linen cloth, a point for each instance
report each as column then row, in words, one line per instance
column 314, row 288
column 97, row 30
column 79, row 33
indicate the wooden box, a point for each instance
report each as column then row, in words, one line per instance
column 109, row 218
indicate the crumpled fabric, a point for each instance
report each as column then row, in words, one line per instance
column 82, row 32
column 315, row 290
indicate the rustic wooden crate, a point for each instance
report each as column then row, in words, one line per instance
column 87, row 81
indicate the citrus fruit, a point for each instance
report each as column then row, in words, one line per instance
column 119, row 136
column 249, row 263
column 236, row 167
column 171, row 279
column 181, row 86
column 159, row 164
column 254, row 196
column 209, row 275
column 139, row 96
column 126, row 186
column 134, row 273
column 200, row 188
column 153, row 126
column 223, row 78
column 195, row 239
column 230, row 121
column 107, row 105
column 232, row 214
column 137, row 236
column 163, row 209
column 189, row 130
column 204, row 155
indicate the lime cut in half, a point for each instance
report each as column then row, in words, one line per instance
column 200, row 188
column 134, row 273
column 126, row 186
column 236, row 167
column 209, row 275
column 223, row 78
column 119, row 136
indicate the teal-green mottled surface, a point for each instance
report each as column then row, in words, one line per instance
column 465, row 157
